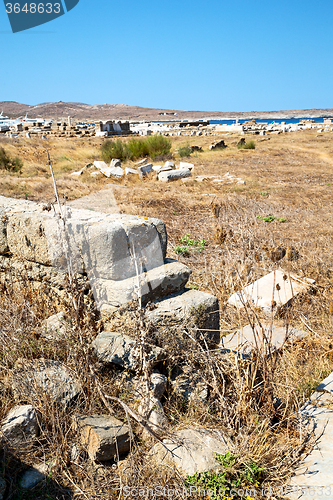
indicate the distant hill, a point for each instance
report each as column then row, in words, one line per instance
column 81, row 111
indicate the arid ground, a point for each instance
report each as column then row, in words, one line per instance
column 288, row 176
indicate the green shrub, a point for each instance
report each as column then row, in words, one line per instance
column 237, row 479
column 185, row 151
column 189, row 244
column 10, row 164
column 115, row 149
column 246, row 145
column 158, row 145
column 136, row 148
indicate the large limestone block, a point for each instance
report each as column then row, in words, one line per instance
column 275, row 290
column 20, row 426
column 32, row 379
column 191, row 450
column 174, row 175
column 103, row 436
column 248, row 339
column 199, row 308
column 154, row 284
column 112, row 347
column 105, row 246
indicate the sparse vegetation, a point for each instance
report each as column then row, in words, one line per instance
column 185, row 151
column 10, row 164
column 236, row 479
column 246, row 145
column 270, row 218
column 136, row 148
column 189, row 244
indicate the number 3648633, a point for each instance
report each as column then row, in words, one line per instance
column 33, row 8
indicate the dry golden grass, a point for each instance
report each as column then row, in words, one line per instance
column 288, row 176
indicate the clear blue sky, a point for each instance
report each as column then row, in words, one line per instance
column 235, row 55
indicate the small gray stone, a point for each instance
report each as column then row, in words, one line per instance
column 170, row 164
column 158, row 384
column 131, row 171
column 183, row 165
column 103, row 436
column 33, row 476
column 152, row 410
column 111, row 347
column 326, row 385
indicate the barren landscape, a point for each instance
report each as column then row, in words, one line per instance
column 80, row 111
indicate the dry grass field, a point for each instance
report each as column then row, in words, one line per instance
column 288, row 176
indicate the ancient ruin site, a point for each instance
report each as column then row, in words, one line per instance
column 166, row 303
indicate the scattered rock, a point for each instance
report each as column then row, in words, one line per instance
column 115, row 163
column 174, row 175
column 142, row 162
column 122, row 350
column 33, row 476
column 56, row 326
column 144, row 170
column 314, row 473
column 32, row 379
column 77, row 174
column 183, row 165
column 199, row 308
column 103, row 436
column 130, row 171
column 170, row 164
column 189, row 385
column 275, row 290
column 218, row 145
column 191, row 450
column 248, row 339
column 20, row 426
column 161, row 168
column 152, row 410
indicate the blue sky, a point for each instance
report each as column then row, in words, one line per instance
column 236, row 55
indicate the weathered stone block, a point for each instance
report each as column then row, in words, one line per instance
column 174, row 175
column 246, row 340
column 122, row 350
column 32, row 379
column 275, row 290
column 20, row 426
column 103, row 436
column 154, row 284
column 191, row 450
column 190, row 306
